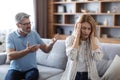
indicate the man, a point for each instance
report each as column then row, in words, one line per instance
column 22, row 45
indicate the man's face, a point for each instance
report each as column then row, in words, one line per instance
column 25, row 26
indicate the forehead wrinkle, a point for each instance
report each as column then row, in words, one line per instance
column 86, row 24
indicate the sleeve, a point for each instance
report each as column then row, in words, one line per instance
column 39, row 39
column 98, row 53
column 70, row 51
column 9, row 42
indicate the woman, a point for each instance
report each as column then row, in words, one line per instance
column 83, row 51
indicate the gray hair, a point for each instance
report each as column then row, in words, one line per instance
column 20, row 16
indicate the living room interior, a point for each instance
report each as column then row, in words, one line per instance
column 58, row 16
column 50, row 17
column 64, row 13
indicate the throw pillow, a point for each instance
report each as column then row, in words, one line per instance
column 113, row 72
column 102, row 66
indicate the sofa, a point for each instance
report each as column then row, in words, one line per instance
column 52, row 65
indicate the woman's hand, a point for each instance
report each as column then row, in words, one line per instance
column 93, row 44
column 92, row 36
column 77, row 30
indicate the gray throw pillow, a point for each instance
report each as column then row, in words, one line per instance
column 102, row 66
column 113, row 72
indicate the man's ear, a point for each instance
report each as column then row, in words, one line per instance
column 18, row 25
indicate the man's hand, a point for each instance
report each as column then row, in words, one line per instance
column 54, row 39
column 32, row 48
column 47, row 48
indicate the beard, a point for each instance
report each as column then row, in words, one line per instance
column 25, row 32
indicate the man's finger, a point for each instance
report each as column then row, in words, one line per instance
column 28, row 44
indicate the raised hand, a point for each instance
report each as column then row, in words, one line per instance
column 54, row 39
column 78, row 30
column 33, row 47
column 92, row 35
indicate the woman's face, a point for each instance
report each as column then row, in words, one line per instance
column 85, row 30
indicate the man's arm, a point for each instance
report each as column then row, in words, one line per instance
column 47, row 48
column 13, row 54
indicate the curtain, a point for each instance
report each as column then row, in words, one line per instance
column 41, row 17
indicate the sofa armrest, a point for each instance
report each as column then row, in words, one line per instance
column 3, row 57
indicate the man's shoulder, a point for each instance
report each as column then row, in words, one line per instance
column 33, row 32
column 12, row 32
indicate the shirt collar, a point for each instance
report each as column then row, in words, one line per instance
column 20, row 35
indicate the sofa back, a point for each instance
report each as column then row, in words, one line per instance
column 110, row 50
column 56, row 57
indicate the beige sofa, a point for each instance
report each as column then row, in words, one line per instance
column 52, row 65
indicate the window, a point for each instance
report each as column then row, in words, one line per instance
column 9, row 8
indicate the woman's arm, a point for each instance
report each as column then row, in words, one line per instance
column 70, row 51
column 96, row 50
column 72, row 43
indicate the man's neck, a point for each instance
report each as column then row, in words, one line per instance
column 22, row 33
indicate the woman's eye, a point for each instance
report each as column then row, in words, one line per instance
column 89, row 28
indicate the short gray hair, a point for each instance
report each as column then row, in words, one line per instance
column 20, row 16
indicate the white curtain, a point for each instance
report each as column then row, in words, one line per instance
column 9, row 8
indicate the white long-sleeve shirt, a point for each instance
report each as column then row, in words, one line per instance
column 81, row 67
column 74, row 60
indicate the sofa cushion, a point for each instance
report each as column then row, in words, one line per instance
column 56, row 57
column 47, row 72
column 44, row 72
column 113, row 72
column 3, row 70
column 56, row 77
column 3, row 57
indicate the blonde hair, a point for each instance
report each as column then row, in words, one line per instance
column 89, row 19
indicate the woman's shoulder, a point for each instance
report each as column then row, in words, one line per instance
column 70, row 37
